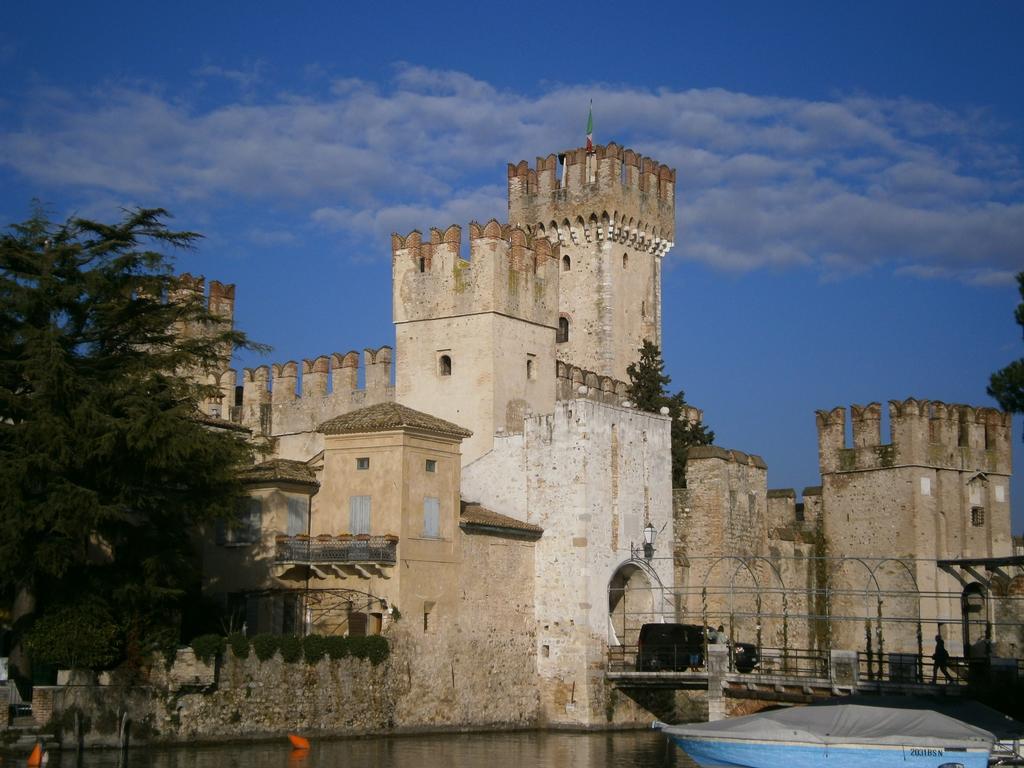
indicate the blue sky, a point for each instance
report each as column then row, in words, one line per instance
column 850, row 188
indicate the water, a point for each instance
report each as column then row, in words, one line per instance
column 628, row 749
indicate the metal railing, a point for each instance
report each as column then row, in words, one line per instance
column 790, row 662
column 336, row 549
column 959, row 670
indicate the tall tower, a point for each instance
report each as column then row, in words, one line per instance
column 613, row 213
column 475, row 338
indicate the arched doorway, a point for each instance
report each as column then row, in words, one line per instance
column 974, row 611
column 633, row 600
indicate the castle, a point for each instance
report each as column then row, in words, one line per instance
column 501, row 496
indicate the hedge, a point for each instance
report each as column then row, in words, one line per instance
column 293, row 648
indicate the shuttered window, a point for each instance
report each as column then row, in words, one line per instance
column 358, row 514
column 298, row 515
column 431, row 518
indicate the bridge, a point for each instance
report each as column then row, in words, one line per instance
column 800, row 676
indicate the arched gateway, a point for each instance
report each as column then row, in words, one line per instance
column 636, row 596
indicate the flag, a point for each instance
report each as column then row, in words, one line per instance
column 590, row 128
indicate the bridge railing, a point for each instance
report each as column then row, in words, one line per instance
column 790, row 662
column 911, row 668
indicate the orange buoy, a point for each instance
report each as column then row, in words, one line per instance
column 297, row 742
column 36, row 758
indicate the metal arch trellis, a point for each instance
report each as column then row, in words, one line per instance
column 319, row 606
column 744, row 562
column 766, row 578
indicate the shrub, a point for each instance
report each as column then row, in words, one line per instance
column 314, row 647
column 265, row 646
column 337, row 647
column 239, row 645
column 79, row 635
column 291, row 648
column 208, row 647
column 375, row 648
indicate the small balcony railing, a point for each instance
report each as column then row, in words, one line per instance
column 336, row 549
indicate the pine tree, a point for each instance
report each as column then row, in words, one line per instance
column 647, row 390
column 105, row 469
column 1007, row 385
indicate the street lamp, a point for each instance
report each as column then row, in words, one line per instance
column 649, row 533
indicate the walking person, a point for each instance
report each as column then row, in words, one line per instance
column 940, row 660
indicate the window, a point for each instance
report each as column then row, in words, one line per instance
column 428, row 607
column 531, row 368
column 431, row 465
column 431, row 518
column 423, row 264
column 444, row 365
column 298, row 515
column 566, row 264
column 563, row 330
column 977, row 516
column 245, row 527
column 752, row 504
column 625, row 260
column 363, row 462
column 358, row 514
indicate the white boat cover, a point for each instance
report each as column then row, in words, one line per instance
column 843, row 724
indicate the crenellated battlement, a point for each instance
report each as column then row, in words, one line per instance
column 611, row 193
column 921, row 432
column 509, row 271
column 572, row 382
column 220, row 301
column 324, row 376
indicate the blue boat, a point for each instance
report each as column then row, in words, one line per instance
column 841, row 735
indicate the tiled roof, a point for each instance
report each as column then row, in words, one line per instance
column 280, row 470
column 475, row 515
column 384, row 417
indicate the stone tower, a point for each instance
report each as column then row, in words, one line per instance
column 475, row 339
column 939, row 489
column 613, row 213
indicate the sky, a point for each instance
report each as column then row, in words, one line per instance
column 850, row 190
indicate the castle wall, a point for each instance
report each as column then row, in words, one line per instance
column 591, row 475
column 613, row 214
column 285, row 403
column 720, row 517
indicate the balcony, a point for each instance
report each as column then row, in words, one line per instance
column 345, row 555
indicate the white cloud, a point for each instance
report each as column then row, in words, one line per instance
column 840, row 186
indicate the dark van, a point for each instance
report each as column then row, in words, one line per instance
column 670, row 647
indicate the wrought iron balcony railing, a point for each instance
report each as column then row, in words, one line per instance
column 336, row 549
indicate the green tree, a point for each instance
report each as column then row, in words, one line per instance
column 105, row 469
column 1007, row 385
column 647, row 390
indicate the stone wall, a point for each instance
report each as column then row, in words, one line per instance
column 469, row 678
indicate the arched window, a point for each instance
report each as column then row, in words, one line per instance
column 445, row 365
column 625, row 260
column 566, row 264
column 563, row 330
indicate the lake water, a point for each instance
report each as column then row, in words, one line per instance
column 622, row 749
